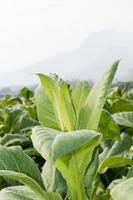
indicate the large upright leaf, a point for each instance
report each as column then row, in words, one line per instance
column 14, row 159
column 123, row 190
column 90, row 113
column 45, row 111
column 108, row 127
column 124, row 119
column 59, row 96
column 79, row 95
column 71, row 153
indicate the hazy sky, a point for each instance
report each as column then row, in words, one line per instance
column 33, row 30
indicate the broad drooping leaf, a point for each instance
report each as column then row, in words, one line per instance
column 16, row 165
column 59, row 96
column 108, row 127
column 70, row 151
column 119, row 147
column 30, row 151
column 114, row 161
column 52, row 179
column 9, row 101
column 90, row 113
column 14, row 159
column 18, row 193
column 24, row 179
column 14, row 139
column 30, row 183
column 17, row 121
column 124, row 119
column 123, row 190
column 14, row 120
column 121, row 105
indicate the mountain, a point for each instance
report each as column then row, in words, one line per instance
column 96, row 52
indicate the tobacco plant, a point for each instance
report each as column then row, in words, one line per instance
column 69, row 137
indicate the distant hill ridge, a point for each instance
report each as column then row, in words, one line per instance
column 96, row 52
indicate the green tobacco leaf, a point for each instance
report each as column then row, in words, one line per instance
column 53, row 196
column 18, row 193
column 14, row 139
column 4, row 114
column 42, row 139
column 14, row 159
column 71, row 152
column 90, row 113
column 67, row 111
column 18, row 120
column 9, row 101
column 31, row 110
column 121, row 105
column 14, row 120
column 79, row 95
column 52, row 179
column 26, row 180
column 130, row 172
column 59, row 96
column 123, row 145
column 45, row 111
column 115, row 182
column 123, row 190
column 45, row 138
column 31, row 152
column 108, row 127
column 112, row 162
column 26, row 93
column 27, row 123
column 91, row 173
column 124, row 119
column 30, row 183
column 130, row 94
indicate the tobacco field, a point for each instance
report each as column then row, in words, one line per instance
column 66, row 142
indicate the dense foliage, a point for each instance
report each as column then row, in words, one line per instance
column 67, row 142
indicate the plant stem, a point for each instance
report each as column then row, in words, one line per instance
column 76, row 188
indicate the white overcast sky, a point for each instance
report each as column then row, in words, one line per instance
column 33, row 30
